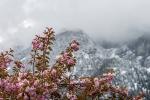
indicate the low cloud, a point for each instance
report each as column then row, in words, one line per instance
column 114, row 20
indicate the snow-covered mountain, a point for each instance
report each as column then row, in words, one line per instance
column 130, row 61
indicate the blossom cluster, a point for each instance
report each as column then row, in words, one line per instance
column 37, row 44
column 45, row 82
column 5, row 59
column 66, row 57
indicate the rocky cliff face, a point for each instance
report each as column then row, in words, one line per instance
column 130, row 61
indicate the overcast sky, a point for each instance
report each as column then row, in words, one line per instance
column 115, row 20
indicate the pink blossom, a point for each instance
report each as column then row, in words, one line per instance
column 25, row 81
column 22, row 75
column 41, row 98
column 74, row 97
column 74, row 82
column 96, row 82
column 74, row 45
column 31, row 91
column 67, row 59
column 70, row 61
column 19, row 95
column 36, row 44
column 53, row 72
column 64, row 57
column 45, row 72
column 19, row 84
column 68, row 95
column 54, row 88
column 108, row 77
column 2, row 83
column 7, row 87
column 5, row 62
column 14, row 87
column 26, row 97
column 71, row 96
column 36, row 82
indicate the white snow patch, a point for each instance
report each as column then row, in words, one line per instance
column 23, row 59
column 113, row 54
column 90, row 67
column 139, row 58
column 86, row 56
column 80, row 61
column 135, row 85
column 114, row 68
column 123, row 72
column 148, row 58
column 148, row 70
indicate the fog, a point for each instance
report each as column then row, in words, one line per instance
column 113, row 20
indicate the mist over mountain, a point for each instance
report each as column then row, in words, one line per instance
column 115, row 21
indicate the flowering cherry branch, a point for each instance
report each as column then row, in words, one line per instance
column 41, row 49
column 46, row 82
